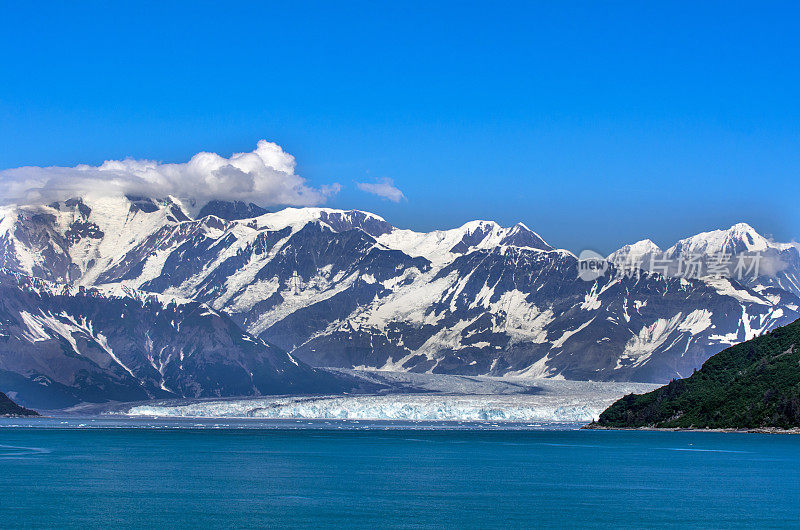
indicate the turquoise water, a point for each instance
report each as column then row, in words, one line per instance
column 363, row 476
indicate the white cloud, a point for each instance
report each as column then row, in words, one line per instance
column 382, row 188
column 265, row 176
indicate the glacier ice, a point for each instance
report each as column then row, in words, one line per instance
column 568, row 401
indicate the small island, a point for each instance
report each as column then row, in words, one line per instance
column 9, row 408
column 754, row 385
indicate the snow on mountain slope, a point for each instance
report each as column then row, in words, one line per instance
column 60, row 345
column 346, row 289
column 740, row 251
column 442, row 246
column 739, row 238
column 515, row 310
column 75, row 240
column 639, row 252
column 336, row 220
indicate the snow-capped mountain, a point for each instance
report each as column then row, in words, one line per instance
column 347, row 289
column 778, row 264
column 61, row 345
column 739, row 238
column 740, row 251
column 640, row 252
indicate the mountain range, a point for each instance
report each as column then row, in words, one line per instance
column 333, row 288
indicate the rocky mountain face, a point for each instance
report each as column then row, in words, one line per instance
column 231, row 210
column 61, row 345
column 347, row 289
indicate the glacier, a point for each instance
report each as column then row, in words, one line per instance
column 545, row 400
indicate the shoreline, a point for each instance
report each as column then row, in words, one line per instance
column 755, row 430
column 405, row 423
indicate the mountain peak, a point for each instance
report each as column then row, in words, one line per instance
column 741, row 227
column 635, row 252
column 520, row 235
column 739, row 238
column 337, row 220
column 480, row 224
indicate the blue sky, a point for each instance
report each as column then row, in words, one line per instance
column 595, row 123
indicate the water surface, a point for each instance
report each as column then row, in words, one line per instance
column 207, row 474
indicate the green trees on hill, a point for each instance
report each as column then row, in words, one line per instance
column 755, row 384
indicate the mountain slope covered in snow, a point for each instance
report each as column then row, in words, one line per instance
column 62, row 345
column 347, row 289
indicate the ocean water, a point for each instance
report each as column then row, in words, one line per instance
column 84, row 473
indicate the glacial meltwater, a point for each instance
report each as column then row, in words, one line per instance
column 85, row 473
